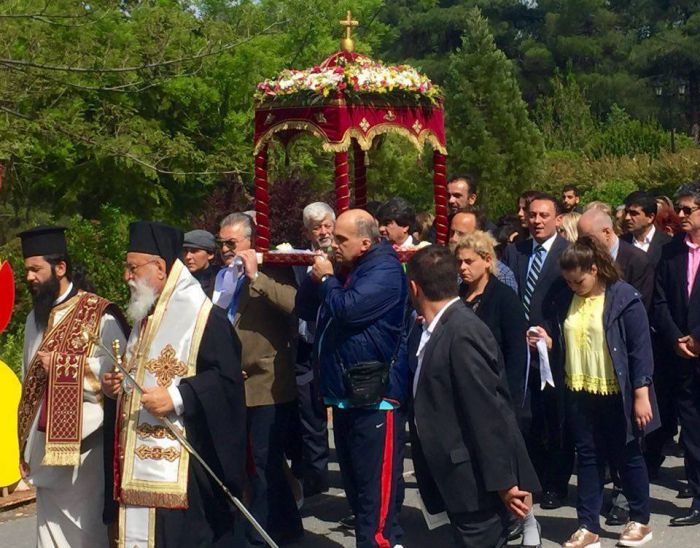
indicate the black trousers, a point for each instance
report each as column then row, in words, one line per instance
column 483, row 529
column 549, row 442
column 272, row 503
column 308, row 437
column 688, row 405
column 665, row 383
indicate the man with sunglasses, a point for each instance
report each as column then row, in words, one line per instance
column 259, row 301
column 677, row 319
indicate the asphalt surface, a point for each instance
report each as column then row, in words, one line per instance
column 322, row 513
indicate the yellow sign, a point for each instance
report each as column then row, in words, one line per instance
column 10, row 392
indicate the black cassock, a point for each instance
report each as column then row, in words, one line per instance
column 215, row 421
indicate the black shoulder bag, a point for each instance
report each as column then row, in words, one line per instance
column 366, row 382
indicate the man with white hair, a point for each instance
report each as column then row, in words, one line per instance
column 634, row 265
column 259, row 301
column 183, row 352
column 310, row 443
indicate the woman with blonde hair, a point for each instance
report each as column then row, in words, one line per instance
column 499, row 307
column 569, row 226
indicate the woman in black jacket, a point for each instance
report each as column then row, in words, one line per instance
column 498, row 306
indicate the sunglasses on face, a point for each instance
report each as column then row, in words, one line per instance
column 231, row 244
column 686, row 210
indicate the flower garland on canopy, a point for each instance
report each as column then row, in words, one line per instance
column 356, row 79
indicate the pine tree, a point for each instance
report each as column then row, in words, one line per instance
column 489, row 131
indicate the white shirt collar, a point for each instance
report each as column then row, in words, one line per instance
column 407, row 243
column 64, row 295
column 649, row 236
column 547, row 244
column 437, row 317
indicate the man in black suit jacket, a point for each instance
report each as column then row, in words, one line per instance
column 640, row 214
column 467, row 448
column 634, row 265
column 550, row 447
column 677, row 320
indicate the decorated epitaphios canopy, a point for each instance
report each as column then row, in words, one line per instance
column 347, row 101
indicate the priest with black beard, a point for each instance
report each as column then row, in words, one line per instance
column 62, row 409
column 185, row 355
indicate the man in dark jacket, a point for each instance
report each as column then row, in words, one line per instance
column 362, row 299
column 635, row 267
column 640, row 214
column 466, row 445
column 535, row 263
column 198, row 251
column 677, row 320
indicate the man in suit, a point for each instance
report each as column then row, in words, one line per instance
column 634, row 265
column 677, row 320
column 466, row 445
column 260, row 305
column 640, row 214
column 535, row 263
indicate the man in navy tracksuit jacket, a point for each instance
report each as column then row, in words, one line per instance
column 360, row 317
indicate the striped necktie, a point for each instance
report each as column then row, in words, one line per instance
column 532, row 275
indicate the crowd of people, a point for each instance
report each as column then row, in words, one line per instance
column 561, row 337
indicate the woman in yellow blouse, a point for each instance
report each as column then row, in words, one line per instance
column 600, row 336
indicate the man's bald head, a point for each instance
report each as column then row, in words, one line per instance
column 355, row 232
column 597, row 224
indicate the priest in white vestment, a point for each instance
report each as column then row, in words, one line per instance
column 62, row 407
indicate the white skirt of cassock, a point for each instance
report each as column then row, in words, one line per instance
column 69, row 500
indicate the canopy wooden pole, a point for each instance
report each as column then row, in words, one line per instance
column 262, row 202
column 440, row 190
column 342, row 183
column 360, row 176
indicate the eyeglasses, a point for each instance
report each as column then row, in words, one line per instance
column 686, row 210
column 231, row 244
column 131, row 269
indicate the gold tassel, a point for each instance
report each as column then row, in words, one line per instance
column 137, row 497
column 61, row 454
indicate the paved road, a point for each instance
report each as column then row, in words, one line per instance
column 321, row 515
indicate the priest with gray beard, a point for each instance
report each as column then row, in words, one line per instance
column 185, row 355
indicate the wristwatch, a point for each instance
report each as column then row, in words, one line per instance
column 325, row 277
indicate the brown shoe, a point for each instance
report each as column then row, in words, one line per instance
column 582, row 538
column 635, row 534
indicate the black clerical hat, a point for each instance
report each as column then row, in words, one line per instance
column 44, row 240
column 156, row 239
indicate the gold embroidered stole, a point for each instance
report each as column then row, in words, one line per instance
column 153, row 464
column 64, row 381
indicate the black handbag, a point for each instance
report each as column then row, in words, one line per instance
column 366, row 382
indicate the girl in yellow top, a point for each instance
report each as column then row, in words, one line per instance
column 600, row 336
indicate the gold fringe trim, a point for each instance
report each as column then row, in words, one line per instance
column 136, row 497
column 592, row 385
column 364, row 140
column 61, row 454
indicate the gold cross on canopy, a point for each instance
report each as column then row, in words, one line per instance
column 347, row 44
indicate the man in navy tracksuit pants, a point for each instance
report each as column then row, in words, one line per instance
column 359, row 300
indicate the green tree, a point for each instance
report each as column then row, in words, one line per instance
column 489, row 130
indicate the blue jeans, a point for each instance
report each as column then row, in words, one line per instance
column 599, row 429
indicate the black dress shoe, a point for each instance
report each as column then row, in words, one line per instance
column 617, row 516
column 692, row 518
column 551, row 500
column 348, row 522
column 684, row 493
